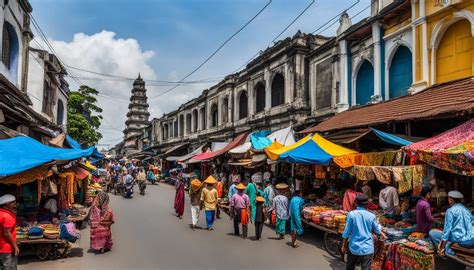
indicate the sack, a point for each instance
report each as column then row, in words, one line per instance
column 68, row 232
column 274, row 218
column 244, row 218
column 53, row 188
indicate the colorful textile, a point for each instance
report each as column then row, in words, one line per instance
column 280, row 226
column 383, row 174
column 415, row 259
column 280, row 204
column 296, row 205
column 360, row 224
column 179, row 199
column 399, row 175
column 273, row 151
column 210, row 216
column 362, row 173
column 418, row 175
column 251, row 191
column 101, row 235
column 37, row 173
column 348, row 202
column 389, row 158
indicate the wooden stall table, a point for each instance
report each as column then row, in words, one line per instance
column 44, row 248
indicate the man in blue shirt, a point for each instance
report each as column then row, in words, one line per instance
column 360, row 224
column 457, row 226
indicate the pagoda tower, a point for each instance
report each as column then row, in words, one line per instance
column 137, row 116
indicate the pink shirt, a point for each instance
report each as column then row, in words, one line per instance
column 239, row 201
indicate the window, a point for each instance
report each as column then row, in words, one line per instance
column 243, row 105
column 165, row 132
column 214, row 115
column 364, row 83
column 195, row 120
column 225, row 110
column 260, row 97
column 9, row 45
column 175, row 128
column 188, row 123
column 278, row 90
column 324, row 84
column 203, row 118
column 400, row 73
column 47, row 106
column 60, row 112
column 181, row 125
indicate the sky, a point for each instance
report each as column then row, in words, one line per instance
column 164, row 40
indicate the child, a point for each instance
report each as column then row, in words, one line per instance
column 259, row 217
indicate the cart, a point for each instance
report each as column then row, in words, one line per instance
column 332, row 239
column 44, row 248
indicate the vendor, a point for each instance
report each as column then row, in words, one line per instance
column 388, row 200
column 51, row 205
column 457, row 226
column 8, row 248
column 424, row 217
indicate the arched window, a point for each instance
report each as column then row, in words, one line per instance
column 203, row 118
column 60, row 112
column 181, row 125
column 454, row 53
column 400, row 72
column 9, row 46
column 259, row 97
column 195, row 120
column 175, row 126
column 243, row 105
column 188, row 123
column 225, row 110
column 278, row 90
column 214, row 115
column 364, row 83
column 165, row 132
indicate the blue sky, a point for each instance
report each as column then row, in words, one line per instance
column 170, row 38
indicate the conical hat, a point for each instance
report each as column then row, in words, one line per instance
column 240, row 186
column 210, row 180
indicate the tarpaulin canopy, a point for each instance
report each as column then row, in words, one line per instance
column 187, row 156
column 75, row 145
column 390, row 138
column 209, row 155
column 22, row 153
column 173, row 149
column 241, row 149
column 307, row 153
column 259, row 139
column 284, row 136
column 452, row 150
column 276, row 148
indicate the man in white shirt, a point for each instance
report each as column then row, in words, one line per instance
column 388, row 199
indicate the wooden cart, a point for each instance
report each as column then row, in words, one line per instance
column 44, row 248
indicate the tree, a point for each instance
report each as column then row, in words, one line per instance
column 83, row 116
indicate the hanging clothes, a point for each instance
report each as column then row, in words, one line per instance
column 363, row 173
column 383, row 174
column 418, row 175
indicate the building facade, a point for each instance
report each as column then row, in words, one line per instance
column 402, row 48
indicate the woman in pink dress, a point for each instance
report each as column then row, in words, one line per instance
column 101, row 220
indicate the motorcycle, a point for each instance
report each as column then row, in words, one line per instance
column 142, row 187
column 128, row 190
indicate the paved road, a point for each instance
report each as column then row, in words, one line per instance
column 147, row 235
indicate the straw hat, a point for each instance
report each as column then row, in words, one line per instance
column 195, row 185
column 240, row 186
column 282, row 186
column 260, row 199
column 210, row 180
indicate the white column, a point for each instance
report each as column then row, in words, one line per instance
column 268, row 89
column 229, row 107
column 219, row 111
column 424, row 37
column 344, row 84
column 236, row 106
column 376, row 36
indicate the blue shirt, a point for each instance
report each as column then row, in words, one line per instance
column 232, row 191
column 359, row 226
column 458, row 224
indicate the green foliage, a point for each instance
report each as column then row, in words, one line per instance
column 83, row 120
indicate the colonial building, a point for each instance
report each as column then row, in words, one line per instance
column 137, row 117
column 47, row 86
column 402, row 48
column 16, row 107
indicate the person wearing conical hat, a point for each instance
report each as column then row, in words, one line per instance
column 239, row 210
column 209, row 199
column 195, row 198
column 259, row 217
column 280, row 206
column 251, row 191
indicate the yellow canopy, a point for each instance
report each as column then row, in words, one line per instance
column 332, row 148
column 276, row 148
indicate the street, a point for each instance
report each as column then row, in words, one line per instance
column 147, row 235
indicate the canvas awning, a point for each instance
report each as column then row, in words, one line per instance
column 173, row 149
column 284, row 136
column 390, row 138
column 187, row 156
column 452, row 150
column 241, row 149
column 347, row 136
column 213, row 154
column 22, row 153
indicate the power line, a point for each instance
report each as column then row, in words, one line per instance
column 335, row 17
column 283, row 31
column 355, row 15
column 216, row 51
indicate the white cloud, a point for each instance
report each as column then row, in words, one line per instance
column 105, row 53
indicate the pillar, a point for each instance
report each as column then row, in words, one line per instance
column 377, row 37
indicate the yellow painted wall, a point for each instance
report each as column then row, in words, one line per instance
column 454, row 54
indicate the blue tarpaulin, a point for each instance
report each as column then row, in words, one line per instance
column 75, row 145
column 390, row 138
column 307, row 153
column 22, row 153
column 259, row 139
